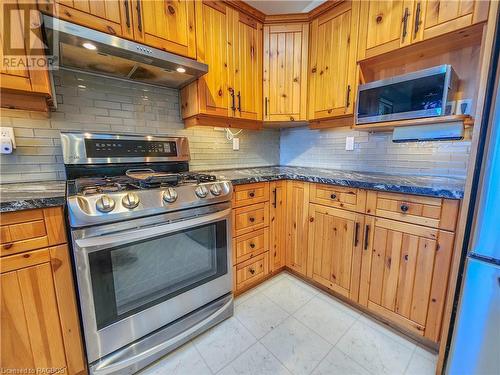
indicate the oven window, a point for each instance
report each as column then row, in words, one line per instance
column 133, row 277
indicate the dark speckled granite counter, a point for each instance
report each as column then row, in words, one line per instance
column 422, row 185
column 25, row 196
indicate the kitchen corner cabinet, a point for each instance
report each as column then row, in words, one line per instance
column 21, row 87
column 335, row 247
column 40, row 326
column 388, row 25
column 285, row 72
column 297, row 220
column 277, row 220
column 230, row 94
column 332, row 67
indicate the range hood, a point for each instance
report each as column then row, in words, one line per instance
column 116, row 57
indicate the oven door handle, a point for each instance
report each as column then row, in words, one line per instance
column 91, row 244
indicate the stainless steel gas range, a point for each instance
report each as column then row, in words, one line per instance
column 151, row 245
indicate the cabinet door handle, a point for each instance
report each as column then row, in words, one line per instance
column 139, row 15
column 348, row 101
column 367, row 231
column 252, row 271
column 274, row 198
column 239, row 101
column 404, row 207
column 405, row 23
column 233, row 104
column 127, row 14
column 252, row 245
column 251, row 194
column 333, row 196
column 265, row 106
column 356, row 235
column 417, row 20
column 252, row 219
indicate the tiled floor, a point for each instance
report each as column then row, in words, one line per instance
column 285, row 326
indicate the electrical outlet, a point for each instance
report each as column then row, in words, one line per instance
column 8, row 133
column 349, row 143
column 236, row 144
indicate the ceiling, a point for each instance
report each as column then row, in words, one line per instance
column 284, row 6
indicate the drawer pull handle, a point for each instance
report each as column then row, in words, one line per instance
column 251, row 194
column 252, row 219
column 252, row 271
column 404, row 207
column 8, row 246
column 333, row 196
column 252, row 245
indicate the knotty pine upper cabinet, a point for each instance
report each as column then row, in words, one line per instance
column 297, row 220
column 332, row 68
column 391, row 24
column 335, row 247
column 20, row 86
column 404, row 274
column 166, row 24
column 109, row 16
column 285, row 72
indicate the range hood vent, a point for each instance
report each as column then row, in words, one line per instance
column 422, row 133
column 117, row 57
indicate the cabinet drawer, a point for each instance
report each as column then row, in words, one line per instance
column 32, row 229
column 251, row 271
column 250, row 245
column 250, row 218
column 429, row 211
column 250, row 194
column 338, row 196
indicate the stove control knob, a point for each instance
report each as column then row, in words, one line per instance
column 105, row 204
column 216, row 189
column 201, row 191
column 130, row 200
column 170, row 195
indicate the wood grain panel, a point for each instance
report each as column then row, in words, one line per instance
column 252, row 271
column 244, row 195
column 249, row 218
column 250, row 245
column 277, row 224
column 297, row 220
column 338, row 196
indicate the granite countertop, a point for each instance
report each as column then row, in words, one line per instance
column 422, row 185
column 25, row 196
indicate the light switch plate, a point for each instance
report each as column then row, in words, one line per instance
column 236, row 144
column 349, row 143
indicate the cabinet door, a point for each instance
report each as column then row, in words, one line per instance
column 166, row 24
column 405, row 273
column 285, row 72
column 246, row 66
column 109, row 16
column 297, row 219
column 385, row 26
column 334, row 250
column 332, row 75
column 277, row 230
column 434, row 17
column 31, row 336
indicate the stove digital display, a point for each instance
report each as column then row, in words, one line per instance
column 108, row 148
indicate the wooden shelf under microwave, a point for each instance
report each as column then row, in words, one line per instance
column 390, row 125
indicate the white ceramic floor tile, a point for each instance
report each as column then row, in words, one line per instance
column 421, row 365
column 259, row 314
column 374, row 350
column 296, row 346
column 255, row 361
column 324, row 318
column 431, row 356
column 184, row 361
column 223, row 343
column 337, row 363
column 289, row 295
column 258, row 289
column 303, row 284
column 339, row 304
column 387, row 331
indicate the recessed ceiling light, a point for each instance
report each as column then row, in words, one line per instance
column 180, row 69
column 82, row 86
column 89, row 46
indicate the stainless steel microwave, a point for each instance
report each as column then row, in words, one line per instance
column 425, row 93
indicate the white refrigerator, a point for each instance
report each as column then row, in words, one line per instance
column 475, row 344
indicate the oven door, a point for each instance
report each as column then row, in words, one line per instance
column 137, row 276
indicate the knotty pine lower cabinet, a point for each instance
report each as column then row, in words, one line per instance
column 404, row 274
column 277, row 230
column 335, row 249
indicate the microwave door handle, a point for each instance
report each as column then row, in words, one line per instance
column 91, row 244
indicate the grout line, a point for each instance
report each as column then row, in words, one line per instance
column 409, row 361
column 202, row 358
column 238, row 356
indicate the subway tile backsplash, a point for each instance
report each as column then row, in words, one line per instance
column 91, row 103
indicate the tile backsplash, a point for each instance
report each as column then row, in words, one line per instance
column 373, row 152
column 91, row 103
